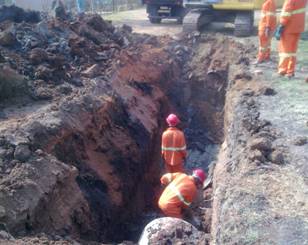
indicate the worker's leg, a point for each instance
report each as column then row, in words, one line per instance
column 175, row 169
column 264, row 48
column 269, row 43
column 294, row 38
column 283, row 54
column 287, row 53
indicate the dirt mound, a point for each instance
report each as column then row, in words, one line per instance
column 58, row 53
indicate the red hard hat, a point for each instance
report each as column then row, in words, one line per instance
column 199, row 174
column 172, row 120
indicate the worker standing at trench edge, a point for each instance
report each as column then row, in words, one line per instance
column 267, row 26
column 292, row 24
column 180, row 192
column 173, row 147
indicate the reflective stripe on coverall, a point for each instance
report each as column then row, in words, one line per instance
column 268, row 20
column 293, row 20
column 173, row 149
column 179, row 193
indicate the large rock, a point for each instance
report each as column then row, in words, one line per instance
column 171, row 231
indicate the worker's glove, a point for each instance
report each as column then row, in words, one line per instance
column 279, row 31
column 267, row 31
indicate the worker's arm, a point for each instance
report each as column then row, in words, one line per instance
column 166, row 178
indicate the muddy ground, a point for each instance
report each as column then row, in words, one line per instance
column 82, row 110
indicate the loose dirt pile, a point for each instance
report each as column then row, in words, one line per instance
column 56, row 54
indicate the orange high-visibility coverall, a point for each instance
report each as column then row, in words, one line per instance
column 173, row 149
column 293, row 20
column 267, row 26
column 179, row 193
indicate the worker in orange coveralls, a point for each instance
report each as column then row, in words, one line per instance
column 173, row 148
column 180, row 192
column 292, row 24
column 267, row 26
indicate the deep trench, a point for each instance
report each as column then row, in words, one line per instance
column 200, row 105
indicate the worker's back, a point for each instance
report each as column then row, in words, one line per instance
column 173, row 146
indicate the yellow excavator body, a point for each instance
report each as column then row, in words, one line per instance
column 238, row 12
column 243, row 4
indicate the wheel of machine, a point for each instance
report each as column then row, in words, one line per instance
column 243, row 23
column 152, row 11
column 155, row 20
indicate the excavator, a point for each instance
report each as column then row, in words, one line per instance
column 239, row 12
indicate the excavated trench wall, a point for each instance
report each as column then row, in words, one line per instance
column 107, row 137
column 116, row 150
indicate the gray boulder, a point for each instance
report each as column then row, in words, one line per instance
column 171, row 231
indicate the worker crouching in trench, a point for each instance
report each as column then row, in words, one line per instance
column 181, row 190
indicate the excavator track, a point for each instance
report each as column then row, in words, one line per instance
column 190, row 21
column 243, row 24
column 196, row 19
